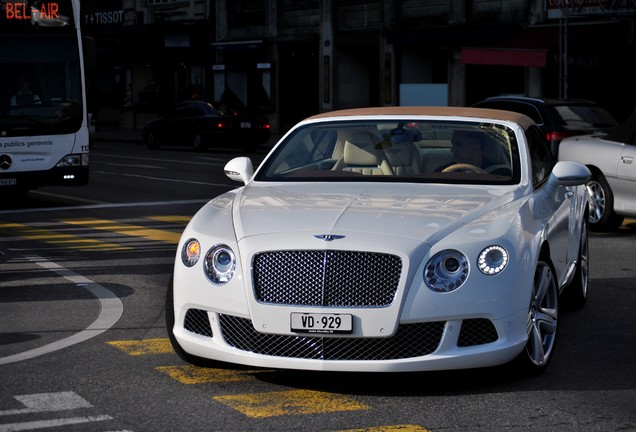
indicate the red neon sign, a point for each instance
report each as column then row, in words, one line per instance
column 20, row 11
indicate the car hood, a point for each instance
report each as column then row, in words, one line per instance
column 414, row 211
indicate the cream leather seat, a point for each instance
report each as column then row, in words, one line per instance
column 363, row 155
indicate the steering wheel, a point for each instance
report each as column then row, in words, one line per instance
column 464, row 167
column 504, row 168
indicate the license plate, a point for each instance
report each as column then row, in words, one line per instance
column 8, row 182
column 246, row 125
column 321, row 323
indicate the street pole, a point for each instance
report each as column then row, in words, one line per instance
column 563, row 50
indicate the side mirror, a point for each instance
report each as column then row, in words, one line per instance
column 568, row 173
column 239, row 169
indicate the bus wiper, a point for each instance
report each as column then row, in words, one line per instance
column 11, row 117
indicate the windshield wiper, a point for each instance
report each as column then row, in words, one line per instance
column 22, row 117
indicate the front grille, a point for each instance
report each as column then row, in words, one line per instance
column 326, row 278
column 197, row 321
column 411, row 340
column 477, row 332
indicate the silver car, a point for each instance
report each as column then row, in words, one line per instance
column 612, row 161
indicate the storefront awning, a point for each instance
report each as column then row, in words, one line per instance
column 237, row 45
column 505, row 57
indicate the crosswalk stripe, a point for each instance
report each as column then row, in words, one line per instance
column 61, row 239
column 390, row 428
column 128, row 230
column 289, row 402
column 171, row 218
column 197, row 375
column 143, row 347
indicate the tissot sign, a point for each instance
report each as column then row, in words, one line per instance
column 104, row 18
column 561, row 8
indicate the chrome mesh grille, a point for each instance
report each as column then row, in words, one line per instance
column 197, row 321
column 326, row 278
column 477, row 331
column 411, row 340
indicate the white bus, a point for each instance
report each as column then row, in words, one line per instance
column 44, row 138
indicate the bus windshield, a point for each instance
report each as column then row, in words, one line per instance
column 41, row 91
column 40, row 69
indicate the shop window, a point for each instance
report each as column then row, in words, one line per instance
column 247, row 13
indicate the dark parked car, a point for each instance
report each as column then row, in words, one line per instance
column 203, row 124
column 557, row 118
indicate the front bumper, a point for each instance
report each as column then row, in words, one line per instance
column 57, row 176
column 428, row 346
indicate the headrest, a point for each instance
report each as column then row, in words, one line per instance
column 359, row 149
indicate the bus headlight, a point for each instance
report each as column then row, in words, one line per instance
column 72, row 160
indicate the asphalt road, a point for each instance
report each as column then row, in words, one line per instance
column 83, row 347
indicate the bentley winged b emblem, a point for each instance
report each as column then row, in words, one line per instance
column 328, row 237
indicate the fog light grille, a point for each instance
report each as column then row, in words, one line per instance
column 477, row 332
column 197, row 321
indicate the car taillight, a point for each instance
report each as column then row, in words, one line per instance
column 221, row 125
column 558, row 135
column 266, row 126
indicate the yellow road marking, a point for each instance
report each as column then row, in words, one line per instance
column 198, row 375
column 261, row 405
column 168, row 218
column 393, row 428
column 129, row 230
column 143, row 347
column 56, row 238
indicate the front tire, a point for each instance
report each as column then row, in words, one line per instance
column 198, row 144
column 542, row 324
column 601, row 199
column 151, row 141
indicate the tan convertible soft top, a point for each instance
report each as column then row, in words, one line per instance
column 487, row 114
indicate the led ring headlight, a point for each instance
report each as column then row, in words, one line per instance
column 492, row 260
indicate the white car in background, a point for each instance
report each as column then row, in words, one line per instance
column 359, row 245
column 612, row 160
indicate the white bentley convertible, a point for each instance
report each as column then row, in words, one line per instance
column 386, row 239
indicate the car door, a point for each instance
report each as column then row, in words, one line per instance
column 625, row 191
column 173, row 125
column 560, row 206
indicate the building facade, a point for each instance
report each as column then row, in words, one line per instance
column 290, row 59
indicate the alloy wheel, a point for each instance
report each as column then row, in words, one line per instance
column 542, row 316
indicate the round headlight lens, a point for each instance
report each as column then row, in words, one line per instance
column 191, row 252
column 220, row 264
column 446, row 271
column 492, row 260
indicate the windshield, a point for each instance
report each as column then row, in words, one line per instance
column 408, row 150
column 585, row 116
column 41, row 90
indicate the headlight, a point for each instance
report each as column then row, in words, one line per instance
column 191, row 252
column 73, row 160
column 220, row 264
column 492, row 260
column 446, row 271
